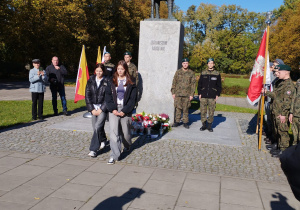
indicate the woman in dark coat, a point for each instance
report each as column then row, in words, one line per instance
column 95, row 103
column 120, row 98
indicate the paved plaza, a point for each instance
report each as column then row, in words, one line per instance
column 44, row 165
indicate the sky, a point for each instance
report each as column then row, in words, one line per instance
column 250, row 5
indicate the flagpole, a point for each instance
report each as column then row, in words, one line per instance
column 269, row 15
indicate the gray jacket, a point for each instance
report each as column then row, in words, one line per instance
column 37, row 82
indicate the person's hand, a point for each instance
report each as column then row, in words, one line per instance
column 191, row 98
column 199, row 96
column 282, row 118
column 94, row 112
column 121, row 114
column 42, row 73
column 38, row 73
column 57, row 67
column 173, row 96
column 291, row 118
column 116, row 113
column 217, row 98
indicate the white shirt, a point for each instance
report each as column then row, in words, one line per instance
column 98, row 81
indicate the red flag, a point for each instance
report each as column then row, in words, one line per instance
column 82, row 77
column 257, row 74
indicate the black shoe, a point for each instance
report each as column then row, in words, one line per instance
column 34, row 118
column 186, row 125
column 276, row 153
column 175, row 124
column 66, row 113
column 55, row 114
column 271, row 147
column 41, row 118
column 209, row 127
column 203, row 128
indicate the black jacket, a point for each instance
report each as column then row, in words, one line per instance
column 209, row 84
column 94, row 95
column 129, row 98
column 56, row 77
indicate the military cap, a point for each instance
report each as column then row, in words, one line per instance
column 210, row 59
column 279, row 61
column 185, row 60
column 36, row 61
column 106, row 53
column 281, row 67
column 127, row 53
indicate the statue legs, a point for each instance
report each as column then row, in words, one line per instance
column 152, row 9
column 157, row 5
column 170, row 9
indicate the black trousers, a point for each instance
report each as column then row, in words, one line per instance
column 37, row 97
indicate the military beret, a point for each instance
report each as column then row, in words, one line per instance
column 185, row 60
column 106, row 53
column 271, row 63
column 279, row 61
column 127, row 53
column 283, row 68
column 210, row 59
column 36, row 61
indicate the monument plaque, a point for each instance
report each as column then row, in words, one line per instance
column 160, row 54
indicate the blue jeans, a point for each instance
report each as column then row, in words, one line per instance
column 61, row 90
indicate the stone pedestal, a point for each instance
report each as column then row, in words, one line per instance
column 160, row 55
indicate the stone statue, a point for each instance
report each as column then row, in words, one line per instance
column 156, row 4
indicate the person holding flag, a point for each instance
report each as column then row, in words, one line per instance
column 94, row 98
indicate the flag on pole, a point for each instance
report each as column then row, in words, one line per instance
column 99, row 56
column 82, row 77
column 104, row 51
column 257, row 74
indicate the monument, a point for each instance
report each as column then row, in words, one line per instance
column 160, row 54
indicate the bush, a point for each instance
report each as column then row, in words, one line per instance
column 231, row 90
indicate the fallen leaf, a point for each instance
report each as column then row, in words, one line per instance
column 36, row 198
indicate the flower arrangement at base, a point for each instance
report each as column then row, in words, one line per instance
column 157, row 122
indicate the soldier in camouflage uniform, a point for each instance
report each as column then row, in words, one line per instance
column 282, row 99
column 209, row 89
column 131, row 68
column 183, row 88
column 294, row 117
column 109, row 67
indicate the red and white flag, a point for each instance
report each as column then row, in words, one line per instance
column 257, row 74
column 82, row 77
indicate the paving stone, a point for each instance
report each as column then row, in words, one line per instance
column 274, row 186
column 201, row 186
column 136, row 169
column 2, row 192
column 13, row 206
column 91, row 178
column 46, row 161
column 162, row 202
column 9, row 182
column 168, row 175
column 238, row 184
column 11, row 162
column 78, row 162
column 242, row 198
column 276, row 199
column 198, row 200
column 163, row 187
column 23, row 155
column 4, row 169
column 104, row 168
column 66, row 170
column 27, row 171
column 183, row 208
column 4, row 153
column 58, row 203
column 28, row 195
column 120, row 189
column 131, row 177
column 107, row 202
column 48, row 181
column 226, row 206
column 204, row 177
column 77, row 192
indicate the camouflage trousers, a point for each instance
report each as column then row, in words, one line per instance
column 296, row 129
column 210, row 105
column 282, row 133
column 182, row 104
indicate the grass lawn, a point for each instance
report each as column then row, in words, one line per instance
column 236, row 81
column 17, row 112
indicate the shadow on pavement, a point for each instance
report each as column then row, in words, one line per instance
column 116, row 203
column 281, row 204
column 252, row 125
column 218, row 120
column 14, row 85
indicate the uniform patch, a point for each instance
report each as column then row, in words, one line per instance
column 289, row 92
column 214, row 78
column 109, row 69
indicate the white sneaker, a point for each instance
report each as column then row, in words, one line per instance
column 92, row 154
column 102, row 145
column 111, row 161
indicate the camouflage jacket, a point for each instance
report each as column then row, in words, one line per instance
column 295, row 109
column 183, row 83
column 133, row 73
column 282, row 97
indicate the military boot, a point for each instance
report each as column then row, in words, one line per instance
column 203, row 128
column 186, row 125
column 209, row 128
column 176, row 124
